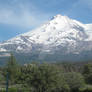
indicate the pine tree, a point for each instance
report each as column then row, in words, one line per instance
column 12, row 68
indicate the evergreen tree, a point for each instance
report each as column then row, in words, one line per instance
column 87, row 72
column 12, row 68
column 43, row 78
column 74, row 80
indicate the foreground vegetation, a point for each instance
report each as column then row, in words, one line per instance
column 46, row 77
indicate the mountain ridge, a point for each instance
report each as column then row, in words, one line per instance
column 61, row 36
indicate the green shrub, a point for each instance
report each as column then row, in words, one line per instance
column 87, row 88
column 10, row 90
column 3, row 90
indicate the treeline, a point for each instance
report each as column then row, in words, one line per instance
column 46, row 77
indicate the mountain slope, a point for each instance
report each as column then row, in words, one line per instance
column 60, row 37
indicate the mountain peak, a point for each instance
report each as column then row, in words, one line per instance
column 61, row 19
column 58, row 16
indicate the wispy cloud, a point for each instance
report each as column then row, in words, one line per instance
column 25, row 14
column 21, row 14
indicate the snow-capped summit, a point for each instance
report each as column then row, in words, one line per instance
column 61, row 35
column 57, row 29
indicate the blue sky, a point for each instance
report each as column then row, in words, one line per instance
column 19, row 16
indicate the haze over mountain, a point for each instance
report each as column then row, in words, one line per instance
column 60, row 39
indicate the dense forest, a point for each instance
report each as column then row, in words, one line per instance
column 46, row 77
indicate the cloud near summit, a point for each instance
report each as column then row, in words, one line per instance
column 32, row 13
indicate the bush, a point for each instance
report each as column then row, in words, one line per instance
column 87, row 88
column 13, row 89
column 10, row 90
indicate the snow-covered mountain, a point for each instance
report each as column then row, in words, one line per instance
column 59, row 37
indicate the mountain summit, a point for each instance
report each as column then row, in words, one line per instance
column 59, row 37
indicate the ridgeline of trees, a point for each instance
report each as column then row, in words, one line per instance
column 46, row 77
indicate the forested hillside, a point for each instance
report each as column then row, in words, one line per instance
column 46, row 77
